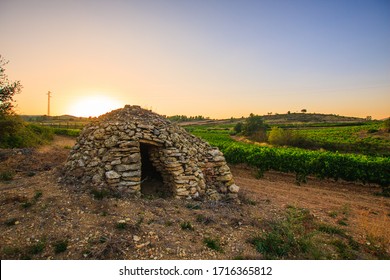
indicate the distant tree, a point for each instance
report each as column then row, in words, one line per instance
column 288, row 112
column 7, row 91
column 303, row 111
column 369, row 118
column 255, row 128
column 238, row 127
column 11, row 125
column 277, row 136
column 184, row 118
column 386, row 125
column 280, row 137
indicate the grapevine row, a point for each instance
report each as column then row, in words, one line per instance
column 349, row 167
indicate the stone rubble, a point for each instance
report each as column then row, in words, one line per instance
column 108, row 155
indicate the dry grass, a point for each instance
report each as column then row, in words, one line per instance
column 376, row 227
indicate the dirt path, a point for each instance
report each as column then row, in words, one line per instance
column 38, row 215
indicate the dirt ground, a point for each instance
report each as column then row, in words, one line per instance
column 42, row 219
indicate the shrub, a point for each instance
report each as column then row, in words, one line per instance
column 60, row 246
column 14, row 133
column 255, row 128
column 36, row 248
column 213, row 244
column 186, row 226
column 10, row 222
column 386, row 125
column 6, row 175
column 121, row 225
column 286, row 238
column 238, row 128
column 286, row 137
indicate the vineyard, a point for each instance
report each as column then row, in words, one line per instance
column 323, row 164
column 357, row 152
column 365, row 139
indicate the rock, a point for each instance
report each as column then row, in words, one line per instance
column 136, row 173
column 112, row 175
column 219, row 158
column 225, row 178
column 136, row 238
column 234, row 188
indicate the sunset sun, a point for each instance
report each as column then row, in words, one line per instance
column 94, row 106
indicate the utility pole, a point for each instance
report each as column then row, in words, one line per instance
column 48, row 103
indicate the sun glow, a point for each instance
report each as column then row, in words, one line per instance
column 94, row 106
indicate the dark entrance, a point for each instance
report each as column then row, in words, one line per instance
column 151, row 180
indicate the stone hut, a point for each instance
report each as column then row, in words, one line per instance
column 132, row 151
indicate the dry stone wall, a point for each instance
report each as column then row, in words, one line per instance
column 132, row 151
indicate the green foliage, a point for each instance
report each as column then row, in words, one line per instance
column 6, row 175
column 238, row 127
column 186, row 226
column 29, row 203
column 14, row 133
column 202, row 219
column 287, row 238
column 67, row 132
column 37, row 195
column 347, row 139
column 183, row 118
column 36, row 248
column 213, row 244
column 298, row 236
column 100, row 194
column 285, row 137
column 330, row 229
column 7, row 91
column 193, row 206
column 10, row 222
column 386, row 125
column 121, row 225
column 255, row 128
column 349, row 167
column 60, row 246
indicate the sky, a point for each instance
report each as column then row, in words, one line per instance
column 214, row 58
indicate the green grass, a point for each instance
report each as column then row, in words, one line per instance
column 330, row 229
column 213, row 244
column 193, row 206
column 66, row 132
column 202, row 219
column 100, row 194
column 186, row 226
column 36, row 248
column 10, row 222
column 37, row 195
column 7, row 175
column 60, row 246
column 29, row 203
column 299, row 236
column 121, row 225
column 15, row 133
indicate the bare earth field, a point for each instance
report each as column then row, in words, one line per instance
column 42, row 219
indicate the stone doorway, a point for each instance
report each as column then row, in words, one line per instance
column 152, row 182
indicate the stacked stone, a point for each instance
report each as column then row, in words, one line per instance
column 107, row 155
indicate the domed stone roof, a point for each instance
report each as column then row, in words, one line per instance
column 132, row 151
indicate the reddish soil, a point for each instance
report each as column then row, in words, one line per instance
column 40, row 218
